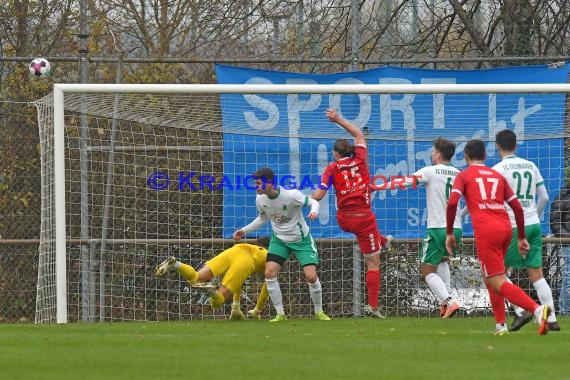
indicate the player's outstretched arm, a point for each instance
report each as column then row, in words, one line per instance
column 542, row 200
column 326, row 183
column 318, row 194
column 348, row 126
column 257, row 222
column 314, row 205
column 238, row 234
column 400, row 182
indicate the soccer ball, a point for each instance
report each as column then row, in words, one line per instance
column 40, row 68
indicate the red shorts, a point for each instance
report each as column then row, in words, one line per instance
column 492, row 248
column 363, row 225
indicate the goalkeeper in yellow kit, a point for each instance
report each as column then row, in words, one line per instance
column 236, row 264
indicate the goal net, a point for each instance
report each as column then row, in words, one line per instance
column 133, row 174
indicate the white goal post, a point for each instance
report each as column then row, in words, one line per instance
column 90, row 99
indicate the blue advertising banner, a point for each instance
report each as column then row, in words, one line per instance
column 288, row 134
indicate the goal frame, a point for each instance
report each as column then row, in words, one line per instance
column 59, row 91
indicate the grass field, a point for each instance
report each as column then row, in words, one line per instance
column 394, row 348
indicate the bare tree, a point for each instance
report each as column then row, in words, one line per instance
column 36, row 27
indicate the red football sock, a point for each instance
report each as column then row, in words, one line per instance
column 498, row 305
column 517, row 296
column 373, row 287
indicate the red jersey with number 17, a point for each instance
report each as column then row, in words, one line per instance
column 485, row 192
column 350, row 178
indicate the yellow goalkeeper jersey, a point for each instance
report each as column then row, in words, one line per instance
column 257, row 253
column 237, row 264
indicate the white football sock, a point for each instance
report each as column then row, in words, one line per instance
column 444, row 273
column 316, row 292
column 274, row 291
column 545, row 296
column 437, row 286
column 518, row 310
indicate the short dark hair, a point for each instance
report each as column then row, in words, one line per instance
column 263, row 241
column 445, row 147
column 343, row 147
column 474, row 149
column 265, row 174
column 506, row 140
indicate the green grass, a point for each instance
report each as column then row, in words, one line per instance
column 394, row 348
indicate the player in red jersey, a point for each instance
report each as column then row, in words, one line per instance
column 486, row 191
column 350, row 177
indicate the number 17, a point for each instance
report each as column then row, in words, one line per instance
column 494, row 182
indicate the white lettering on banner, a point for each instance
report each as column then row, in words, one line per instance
column 262, row 104
column 296, row 105
column 322, row 162
column 494, row 125
column 460, row 145
column 400, row 168
column 438, row 101
column 365, row 103
column 387, row 103
column 424, row 157
column 404, row 105
column 518, row 118
column 417, row 217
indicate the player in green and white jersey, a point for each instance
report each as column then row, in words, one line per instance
column 527, row 183
column 438, row 180
column 291, row 235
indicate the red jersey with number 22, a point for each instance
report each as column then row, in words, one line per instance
column 485, row 191
column 350, row 178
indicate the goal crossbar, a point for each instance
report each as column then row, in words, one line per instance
column 424, row 88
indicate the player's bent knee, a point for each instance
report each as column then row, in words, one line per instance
column 272, row 269
column 310, row 272
column 427, row 269
column 271, row 273
column 311, row 279
column 372, row 262
column 205, row 274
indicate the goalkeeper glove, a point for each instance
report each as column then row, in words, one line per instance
column 254, row 313
column 236, row 314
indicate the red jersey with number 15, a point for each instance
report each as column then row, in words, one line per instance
column 485, row 192
column 350, row 178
